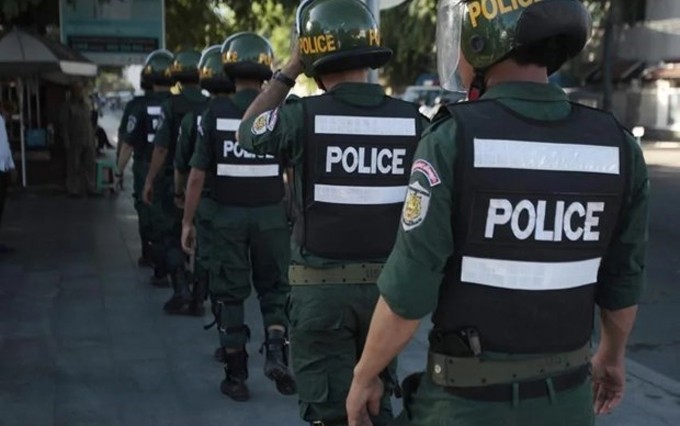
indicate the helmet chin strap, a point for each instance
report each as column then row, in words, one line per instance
column 478, row 86
column 319, row 83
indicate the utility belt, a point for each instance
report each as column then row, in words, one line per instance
column 351, row 273
column 450, row 371
column 467, row 374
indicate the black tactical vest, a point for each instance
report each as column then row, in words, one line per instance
column 241, row 178
column 144, row 147
column 357, row 166
column 181, row 105
column 537, row 204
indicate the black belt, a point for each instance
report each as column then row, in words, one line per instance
column 527, row 389
column 342, row 421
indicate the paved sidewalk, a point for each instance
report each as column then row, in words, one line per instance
column 83, row 340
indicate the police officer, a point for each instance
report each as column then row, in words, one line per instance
column 351, row 149
column 249, row 226
column 136, row 134
column 524, row 211
column 160, row 179
column 212, row 79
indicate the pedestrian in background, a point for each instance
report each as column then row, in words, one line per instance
column 6, row 169
column 78, row 136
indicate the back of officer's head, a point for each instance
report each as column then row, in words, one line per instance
column 247, row 56
column 211, row 72
column 338, row 36
column 156, row 70
column 543, row 33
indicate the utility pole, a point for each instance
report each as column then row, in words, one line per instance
column 374, row 7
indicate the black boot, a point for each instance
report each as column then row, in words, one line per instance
column 145, row 260
column 159, row 278
column 198, row 295
column 276, row 363
column 179, row 303
column 220, row 355
column 236, row 373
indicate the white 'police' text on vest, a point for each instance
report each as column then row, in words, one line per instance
column 367, row 161
column 502, row 213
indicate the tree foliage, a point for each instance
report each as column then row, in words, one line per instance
column 200, row 24
column 408, row 29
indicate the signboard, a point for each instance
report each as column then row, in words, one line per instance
column 113, row 32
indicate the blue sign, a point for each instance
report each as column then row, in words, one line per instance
column 113, row 32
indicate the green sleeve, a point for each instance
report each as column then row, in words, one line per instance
column 277, row 132
column 415, row 269
column 128, row 125
column 183, row 151
column 622, row 274
column 164, row 132
column 204, row 154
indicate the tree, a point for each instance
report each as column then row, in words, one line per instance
column 409, row 30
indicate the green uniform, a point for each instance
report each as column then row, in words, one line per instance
column 171, row 224
column 130, row 130
column 329, row 322
column 186, row 144
column 134, row 130
column 411, row 279
column 250, row 244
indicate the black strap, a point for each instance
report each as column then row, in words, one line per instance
column 528, row 389
column 341, row 421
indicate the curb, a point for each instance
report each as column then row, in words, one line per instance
column 653, row 378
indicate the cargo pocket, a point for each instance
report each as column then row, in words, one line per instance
column 308, row 310
column 312, row 388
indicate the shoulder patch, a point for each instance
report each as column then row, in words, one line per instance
column 424, row 167
column 415, row 207
column 131, row 124
column 161, row 119
column 273, row 118
column 261, row 123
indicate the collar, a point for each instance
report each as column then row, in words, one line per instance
column 526, row 91
column 362, row 89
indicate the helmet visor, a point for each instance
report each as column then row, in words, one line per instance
column 450, row 16
column 298, row 15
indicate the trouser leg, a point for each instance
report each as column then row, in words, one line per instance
column 229, row 287
column 325, row 346
column 270, row 255
column 4, row 185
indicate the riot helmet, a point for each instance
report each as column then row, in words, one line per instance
column 487, row 32
column 247, row 55
column 211, row 73
column 156, row 69
column 338, row 35
column 184, row 67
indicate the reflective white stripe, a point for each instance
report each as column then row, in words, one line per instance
column 150, row 137
column 536, row 276
column 368, row 126
column 153, row 110
column 248, row 170
column 555, row 157
column 198, row 120
column 363, row 195
column 228, row 124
